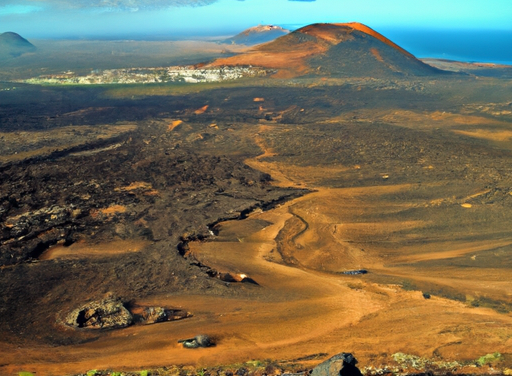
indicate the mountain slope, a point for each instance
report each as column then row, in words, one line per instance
column 339, row 50
column 13, row 45
column 257, row 35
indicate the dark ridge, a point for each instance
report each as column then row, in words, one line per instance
column 90, row 146
column 265, row 206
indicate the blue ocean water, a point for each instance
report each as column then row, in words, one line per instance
column 486, row 46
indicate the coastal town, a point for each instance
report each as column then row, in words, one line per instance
column 186, row 74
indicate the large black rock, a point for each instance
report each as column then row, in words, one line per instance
column 343, row 364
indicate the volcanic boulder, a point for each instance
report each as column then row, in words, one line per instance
column 103, row 314
column 153, row 315
column 201, row 340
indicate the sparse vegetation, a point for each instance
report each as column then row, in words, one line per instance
column 413, row 362
column 484, row 302
column 249, row 368
column 489, row 359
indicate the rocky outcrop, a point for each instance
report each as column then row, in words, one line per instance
column 153, row 315
column 103, row 314
column 27, row 235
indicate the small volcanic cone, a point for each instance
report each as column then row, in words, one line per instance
column 14, row 45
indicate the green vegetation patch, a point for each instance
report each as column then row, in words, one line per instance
column 489, row 359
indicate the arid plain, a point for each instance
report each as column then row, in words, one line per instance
column 353, row 156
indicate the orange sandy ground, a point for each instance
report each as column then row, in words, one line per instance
column 299, row 311
column 306, row 308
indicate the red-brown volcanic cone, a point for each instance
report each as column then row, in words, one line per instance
column 292, row 54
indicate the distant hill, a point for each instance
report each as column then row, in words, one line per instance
column 338, row 50
column 257, row 35
column 13, row 45
column 476, row 69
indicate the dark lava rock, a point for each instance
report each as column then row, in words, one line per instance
column 104, row 314
column 43, row 204
column 356, row 272
column 201, row 340
column 227, row 277
column 153, row 315
column 343, row 364
column 249, row 280
column 29, row 234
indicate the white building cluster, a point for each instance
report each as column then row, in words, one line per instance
column 153, row 75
